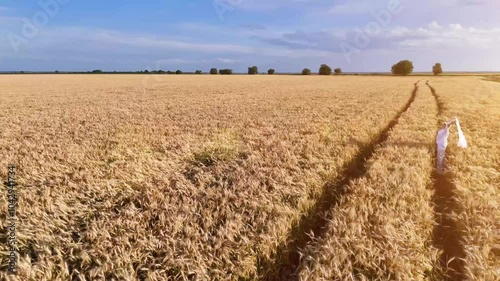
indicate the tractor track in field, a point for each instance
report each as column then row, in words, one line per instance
column 284, row 264
column 446, row 236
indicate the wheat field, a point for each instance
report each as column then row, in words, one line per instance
column 200, row 177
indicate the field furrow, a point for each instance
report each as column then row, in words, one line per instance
column 474, row 172
column 446, row 236
column 383, row 229
column 312, row 224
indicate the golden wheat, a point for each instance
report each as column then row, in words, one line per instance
column 175, row 176
column 163, row 177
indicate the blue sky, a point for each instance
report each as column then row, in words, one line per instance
column 287, row 35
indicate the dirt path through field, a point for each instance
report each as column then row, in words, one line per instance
column 383, row 229
column 446, row 236
column 312, row 224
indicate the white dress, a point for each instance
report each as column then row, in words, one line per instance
column 442, row 143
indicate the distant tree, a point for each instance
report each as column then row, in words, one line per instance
column 178, row 71
column 253, row 70
column 437, row 69
column 270, row 71
column 198, row 72
column 146, row 71
column 22, row 72
column 306, row 71
column 161, row 71
column 57, row 71
column 226, row 71
column 213, row 71
column 325, row 70
column 404, row 67
column 98, row 71
column 338, row 71
column 170, row 72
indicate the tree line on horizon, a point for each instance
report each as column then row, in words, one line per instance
column 402, row 68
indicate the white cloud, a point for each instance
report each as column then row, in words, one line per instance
column 242, row 31
column 296, row 45
column 199, row 27
column 434, row 25
column 463, row 3
column 175, row 61
column 410, row 40
column 228, row 61
column 180, row 61
column 112, row 39
column 254, row 26
column 455, row 35
column 399, row 32
column 469, row 2
column 103, row 42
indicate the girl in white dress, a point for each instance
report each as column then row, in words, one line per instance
column 442, row 143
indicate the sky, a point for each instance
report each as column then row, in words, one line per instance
column 286, row 35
